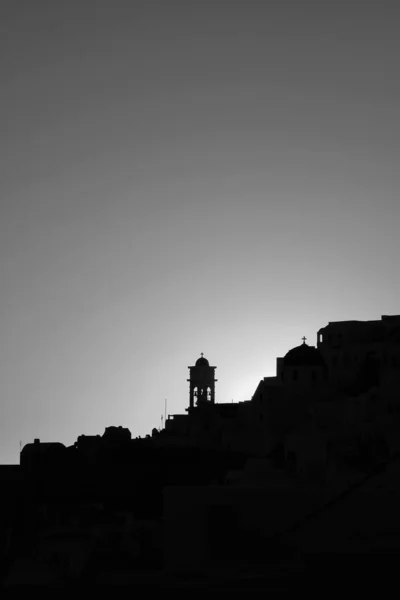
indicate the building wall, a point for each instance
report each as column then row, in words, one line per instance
column 345, row 346
column 206, row 525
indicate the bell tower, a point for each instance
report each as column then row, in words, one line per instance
column 201, row 383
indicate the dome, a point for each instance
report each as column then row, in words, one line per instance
column 202, row 362
column 304, row 355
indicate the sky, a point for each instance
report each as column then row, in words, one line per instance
column 178, row 177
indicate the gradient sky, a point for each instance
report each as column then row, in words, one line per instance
column 178, row 177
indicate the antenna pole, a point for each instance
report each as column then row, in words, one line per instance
column 165, row 410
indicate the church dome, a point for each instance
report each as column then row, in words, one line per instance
column 202, row 362
column 304, row 355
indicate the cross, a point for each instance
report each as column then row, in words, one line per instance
column 304, row 339
column 202, row 355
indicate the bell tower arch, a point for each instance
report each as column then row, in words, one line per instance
column 201, row 383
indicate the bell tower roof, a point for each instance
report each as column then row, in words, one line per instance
column 202, row 362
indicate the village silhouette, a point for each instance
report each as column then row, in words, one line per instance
column 295, row 488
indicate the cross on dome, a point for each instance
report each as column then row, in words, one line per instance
column 304, row 339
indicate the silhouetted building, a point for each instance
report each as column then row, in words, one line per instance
column 201, row 383
column 362, row 353
column 117, row 434
column 223, row 478
column 88, row 447
column 42, row 455
column 342, row 387
column 302, row 366
column 346, row 385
